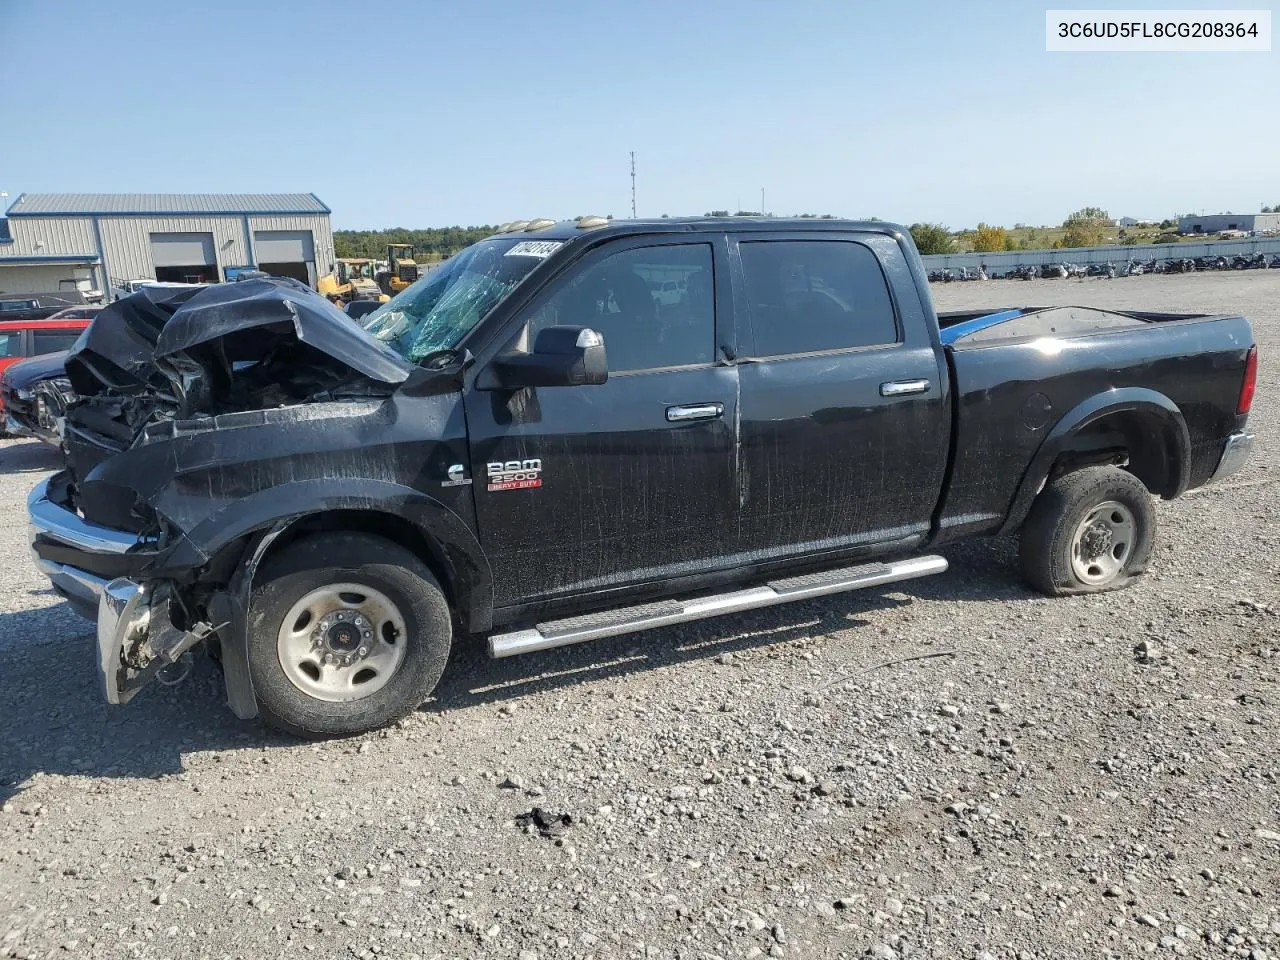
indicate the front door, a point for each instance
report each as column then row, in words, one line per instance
column 593, row 488
column 845, row 429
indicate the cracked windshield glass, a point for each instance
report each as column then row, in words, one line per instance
column 441, row 308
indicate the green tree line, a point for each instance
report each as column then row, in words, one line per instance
column 433, row 243
column 1090, row 226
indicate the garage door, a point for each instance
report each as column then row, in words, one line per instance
column 286, row 253
column 184, row 257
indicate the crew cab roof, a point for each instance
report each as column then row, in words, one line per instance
column 569, row 230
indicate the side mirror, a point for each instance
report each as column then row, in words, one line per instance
column 561, row 357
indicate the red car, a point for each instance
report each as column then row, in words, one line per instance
column 30, row 338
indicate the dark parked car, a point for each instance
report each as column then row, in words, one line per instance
column 34, row 395
column 537, row 443
column 35, row 337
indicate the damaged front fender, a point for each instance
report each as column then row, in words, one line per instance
column 212, row 424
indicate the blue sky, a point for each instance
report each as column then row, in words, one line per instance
column 428, row 113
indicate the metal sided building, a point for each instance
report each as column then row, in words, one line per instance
column 1218, row 222
column 52, row 241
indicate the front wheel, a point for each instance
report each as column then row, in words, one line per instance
column 347, row 632
column 1088, row 531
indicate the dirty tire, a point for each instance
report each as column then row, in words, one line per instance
column 347, row 558
column 1048, row 536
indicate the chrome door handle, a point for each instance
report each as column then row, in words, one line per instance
column 904, row 388
column 695, row 411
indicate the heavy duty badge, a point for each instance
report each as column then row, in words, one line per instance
column 515, row 474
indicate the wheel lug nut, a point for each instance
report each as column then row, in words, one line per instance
column 328, row 658
column 363, row 651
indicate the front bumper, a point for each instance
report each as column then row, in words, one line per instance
column 62, row 534
column 123, row 608
column 1239, row 447
column 124, row 616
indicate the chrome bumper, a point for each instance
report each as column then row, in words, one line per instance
column 121, row 607
column 55, row 522
column 58, row 523
column 124, row 613
column 79, row 587
column 1239, row 446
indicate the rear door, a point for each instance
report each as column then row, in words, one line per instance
column 13, row 346
column 845, row 428
column 593, row 488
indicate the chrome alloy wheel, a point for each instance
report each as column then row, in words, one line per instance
column 341, row 642
column 1103, row 542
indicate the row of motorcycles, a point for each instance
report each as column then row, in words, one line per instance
column 1109, row 270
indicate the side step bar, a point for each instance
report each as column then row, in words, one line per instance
column 612, row 623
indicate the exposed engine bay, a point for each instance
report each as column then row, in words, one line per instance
column 162, row 354
column 165, row 362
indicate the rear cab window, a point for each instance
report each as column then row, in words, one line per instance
column 816, row 296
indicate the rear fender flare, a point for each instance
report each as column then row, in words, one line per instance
column 1150, row 404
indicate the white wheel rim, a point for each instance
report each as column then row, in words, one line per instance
column 1103, row 543
column 341, row 642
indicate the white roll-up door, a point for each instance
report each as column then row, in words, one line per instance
column 182, row 249
column 284, row 246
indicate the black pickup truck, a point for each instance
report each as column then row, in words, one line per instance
column 38, row 306
column 580, row 429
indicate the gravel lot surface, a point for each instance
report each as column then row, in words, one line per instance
column 1085, row 777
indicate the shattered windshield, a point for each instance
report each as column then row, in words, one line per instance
column 437, row 311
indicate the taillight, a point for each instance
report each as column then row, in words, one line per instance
column 1250, row 382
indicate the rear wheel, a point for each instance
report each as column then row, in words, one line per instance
column 347, row 632
column 1088, row 531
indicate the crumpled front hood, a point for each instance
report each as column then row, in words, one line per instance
column 121, row 347
column 234, row 308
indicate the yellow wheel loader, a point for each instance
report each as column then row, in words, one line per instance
column 401, row 269
column 352, row 279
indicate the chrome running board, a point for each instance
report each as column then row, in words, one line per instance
column 612, row 623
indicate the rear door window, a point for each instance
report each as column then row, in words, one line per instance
column 813, row 296
column 52, row 342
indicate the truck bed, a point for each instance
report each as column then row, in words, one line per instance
column 1019, row 376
